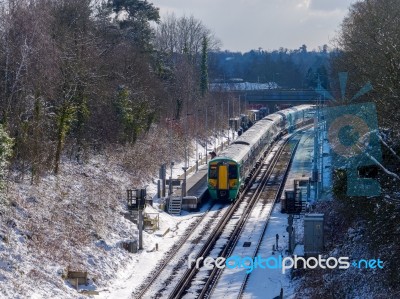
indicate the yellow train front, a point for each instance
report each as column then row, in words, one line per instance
column 223, row 179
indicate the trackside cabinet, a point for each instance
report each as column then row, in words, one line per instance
column 313, row 234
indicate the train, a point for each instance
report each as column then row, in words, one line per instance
column 246, row 120
column 230, row 170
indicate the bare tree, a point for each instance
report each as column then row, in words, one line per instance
column 370, row 45
column 183, row 35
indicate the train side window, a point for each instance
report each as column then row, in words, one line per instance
column 233, row 172
column 212, row 174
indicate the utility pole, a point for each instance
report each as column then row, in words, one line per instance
column 229, row 117
column 206, row 134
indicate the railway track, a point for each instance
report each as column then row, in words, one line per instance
column 187, row 235
column 274, row 190
column 250, row 197
column 148, row 290
column 171, row 270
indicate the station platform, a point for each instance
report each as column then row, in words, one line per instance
column 298, row 179
column 196, row 185
column 301, row 168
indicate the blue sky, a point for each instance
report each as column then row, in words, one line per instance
column 243, row 25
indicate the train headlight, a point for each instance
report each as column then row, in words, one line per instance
column 233, row 183
column 212, row 183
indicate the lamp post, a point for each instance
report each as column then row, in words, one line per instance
column 186, row 140
column 170, row 179
column 321, row 128
column 197, row 143
column 229, row 125
column 233, row 107
column 233, row 114
column 317, row 150
column 184, row 181
column 215, row 125
column 222, row 114
column 206, row 134
column 319, row 143
column 315, row 166
column 170, row 155
column 239, row 106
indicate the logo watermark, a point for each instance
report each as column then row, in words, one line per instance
column 282, row 263
column 353, row 136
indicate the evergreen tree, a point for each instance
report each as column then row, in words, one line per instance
column 137, row 24
column 6, row 144
column 204, row 68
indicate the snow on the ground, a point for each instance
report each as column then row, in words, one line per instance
column 215, row 143
column 267, row 283
column 133, row 274
column 73, row 220
column 129, row 277
column 77, row 220
column 215, row 252
column 177, row 266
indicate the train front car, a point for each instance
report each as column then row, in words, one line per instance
column 223, row 179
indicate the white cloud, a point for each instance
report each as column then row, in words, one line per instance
column 243, row 25
column 329, row 5
column 304, row 4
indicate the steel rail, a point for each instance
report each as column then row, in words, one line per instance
column 216, row 272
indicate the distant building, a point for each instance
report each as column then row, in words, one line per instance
column 241, row 86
